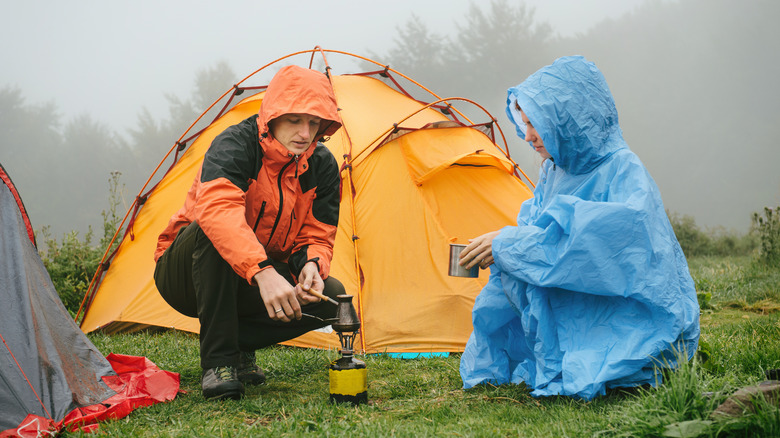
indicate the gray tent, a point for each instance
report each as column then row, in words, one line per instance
column 48, row 367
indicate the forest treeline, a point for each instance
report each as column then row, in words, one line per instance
column 64, row 168
column 693, row 80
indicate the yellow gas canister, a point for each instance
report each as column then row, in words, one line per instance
column 348, row 381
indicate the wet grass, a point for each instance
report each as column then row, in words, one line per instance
column 423, row 397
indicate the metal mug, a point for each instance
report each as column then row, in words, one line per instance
column 457, row 270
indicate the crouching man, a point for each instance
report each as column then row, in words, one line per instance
column 255, row 235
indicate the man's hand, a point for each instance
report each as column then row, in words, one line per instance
column 278, row 295
column 309, row 279
column 479, row 251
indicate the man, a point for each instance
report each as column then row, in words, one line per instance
column 590, row 290
column 249, row 252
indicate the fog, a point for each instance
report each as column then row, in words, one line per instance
column 695, row 82
column 109, row 59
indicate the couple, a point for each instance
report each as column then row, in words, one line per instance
column 590, row 290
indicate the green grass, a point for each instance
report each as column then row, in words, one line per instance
column 737, row 282
column 423, row 397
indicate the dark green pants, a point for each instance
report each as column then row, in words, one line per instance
column 196, row 281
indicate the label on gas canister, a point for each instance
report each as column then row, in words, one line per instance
column 348, row 382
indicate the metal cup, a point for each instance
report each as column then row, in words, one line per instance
column 457, row 270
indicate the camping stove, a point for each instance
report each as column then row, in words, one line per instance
column 348, row 382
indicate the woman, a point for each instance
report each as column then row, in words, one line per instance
column 590, row 290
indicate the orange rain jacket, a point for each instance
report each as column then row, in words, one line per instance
column 257, row 201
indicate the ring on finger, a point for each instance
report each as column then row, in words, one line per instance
column 278, row 310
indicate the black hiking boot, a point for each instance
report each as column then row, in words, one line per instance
column 221, row 383
column 248, row 371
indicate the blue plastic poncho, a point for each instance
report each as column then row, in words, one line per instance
column 590, row 290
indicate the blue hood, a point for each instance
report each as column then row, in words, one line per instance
column 561, row 100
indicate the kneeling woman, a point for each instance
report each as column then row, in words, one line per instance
column 590, row 290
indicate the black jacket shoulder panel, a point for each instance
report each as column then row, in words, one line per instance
column 235, row 154
column 322, row 168
column 323, row 176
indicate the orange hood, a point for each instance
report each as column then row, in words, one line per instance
column 300, row 90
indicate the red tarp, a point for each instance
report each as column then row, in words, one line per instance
column 138, row 383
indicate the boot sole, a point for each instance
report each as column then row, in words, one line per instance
column 250, row 379
column 229, row 395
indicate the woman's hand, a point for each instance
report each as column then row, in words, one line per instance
column 479, row 251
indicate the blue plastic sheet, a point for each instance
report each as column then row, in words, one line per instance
column 590, row 290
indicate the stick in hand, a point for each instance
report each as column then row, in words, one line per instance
column 322, row 297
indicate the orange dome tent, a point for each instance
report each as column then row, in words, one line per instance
column 415, row 176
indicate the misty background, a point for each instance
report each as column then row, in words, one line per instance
column 93, row 87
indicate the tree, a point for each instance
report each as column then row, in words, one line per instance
column 418, row 53
column 29, row 135
column 90, row 153
column 62, row 170
column 154, row 136
column 502, row 45
column 212, row 83
column 496, row 47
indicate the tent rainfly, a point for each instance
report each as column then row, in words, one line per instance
column 415, row 177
